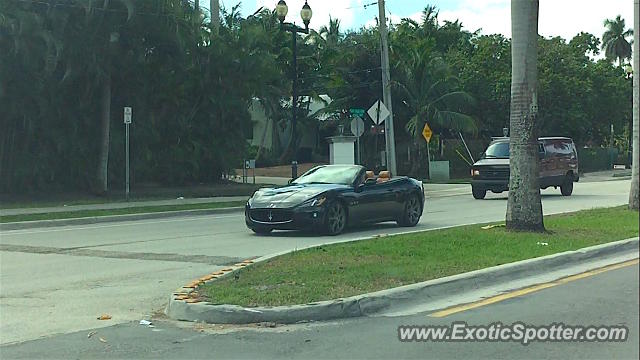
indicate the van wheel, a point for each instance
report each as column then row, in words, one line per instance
column 478, row 194
column 567, row 188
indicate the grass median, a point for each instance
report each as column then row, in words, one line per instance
column 122, row 211
column 347, row 269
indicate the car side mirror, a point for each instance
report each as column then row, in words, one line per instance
column 290, row 181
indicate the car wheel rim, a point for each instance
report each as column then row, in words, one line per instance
column 413, row 210
column 336, row 219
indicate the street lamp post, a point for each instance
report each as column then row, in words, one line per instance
column 629, row 71
column 281, row 10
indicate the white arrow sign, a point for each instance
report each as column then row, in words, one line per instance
column 378, row 112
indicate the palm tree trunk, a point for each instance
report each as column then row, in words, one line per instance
column 215, row 15
column 103, row 163
column 524, row 207
column 633, row 193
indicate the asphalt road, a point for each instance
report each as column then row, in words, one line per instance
column 609, row 298
column 58, row 280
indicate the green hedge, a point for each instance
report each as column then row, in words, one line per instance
column 595, row 159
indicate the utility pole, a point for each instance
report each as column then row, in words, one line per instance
column 215, row 15
column 386, row 89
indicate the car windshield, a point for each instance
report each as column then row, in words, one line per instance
column 329, row 175
column 499, row 150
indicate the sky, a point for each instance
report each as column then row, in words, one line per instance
column 564, row 18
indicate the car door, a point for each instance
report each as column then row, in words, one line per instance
column 363, row 206
column 386, row 204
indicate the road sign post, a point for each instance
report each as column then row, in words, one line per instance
column 378, row 112
column 127, row 122
column 427, row 133
column 357, row 128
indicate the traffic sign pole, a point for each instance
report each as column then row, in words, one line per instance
column 357, row 128
column 127, row 155
column 127, row 122
column 427, row 133
column 358, row 144
column 428, row 162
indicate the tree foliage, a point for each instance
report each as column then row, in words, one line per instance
column 190, row 88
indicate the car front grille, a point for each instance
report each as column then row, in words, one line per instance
column 494, row 173
column 271, row 216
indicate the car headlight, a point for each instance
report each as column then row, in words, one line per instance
column 316, row 201
column 475, row 172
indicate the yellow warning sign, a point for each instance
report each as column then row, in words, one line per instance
column 426, row 132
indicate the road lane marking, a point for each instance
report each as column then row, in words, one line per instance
column 531, row 289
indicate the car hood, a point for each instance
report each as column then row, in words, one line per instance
column 492, row 162
column 290, row 195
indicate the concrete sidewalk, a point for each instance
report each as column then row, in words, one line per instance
column 120, row 205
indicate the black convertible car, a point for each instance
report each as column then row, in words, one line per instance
column 329, row 198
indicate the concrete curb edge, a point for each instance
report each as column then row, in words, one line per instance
column 182, row 307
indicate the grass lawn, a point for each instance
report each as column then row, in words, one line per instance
column 124, row 211
column 139, row 193
column 353, row 268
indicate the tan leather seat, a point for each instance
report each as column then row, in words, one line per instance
column 383, row 176
column 370, row 175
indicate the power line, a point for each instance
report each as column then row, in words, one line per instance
column 364, row 6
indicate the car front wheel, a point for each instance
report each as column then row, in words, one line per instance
column 336, row 218
column 261, row 231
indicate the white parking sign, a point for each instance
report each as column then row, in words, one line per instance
column 127, row 115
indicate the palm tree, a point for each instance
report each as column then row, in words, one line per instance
column 214, row 7
column 106, row 41
column 29, row 56
column 428, row 89
column 614, row 40
column 331, row 34
column 635, row 179
column 524, row 207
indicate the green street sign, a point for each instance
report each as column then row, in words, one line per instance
column 356, row 111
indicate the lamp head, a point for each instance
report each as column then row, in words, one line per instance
column 306, row 14
column 281, row 10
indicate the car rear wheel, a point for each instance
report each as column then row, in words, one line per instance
column 412, row 212
column 336, row 219
column 567, row 188
column 478, row 194
column 261, row 231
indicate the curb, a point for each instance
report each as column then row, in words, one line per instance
column 183, row 305
column 115, row 218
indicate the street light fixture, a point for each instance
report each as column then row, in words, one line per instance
column 628, row 69
column 281, row 11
